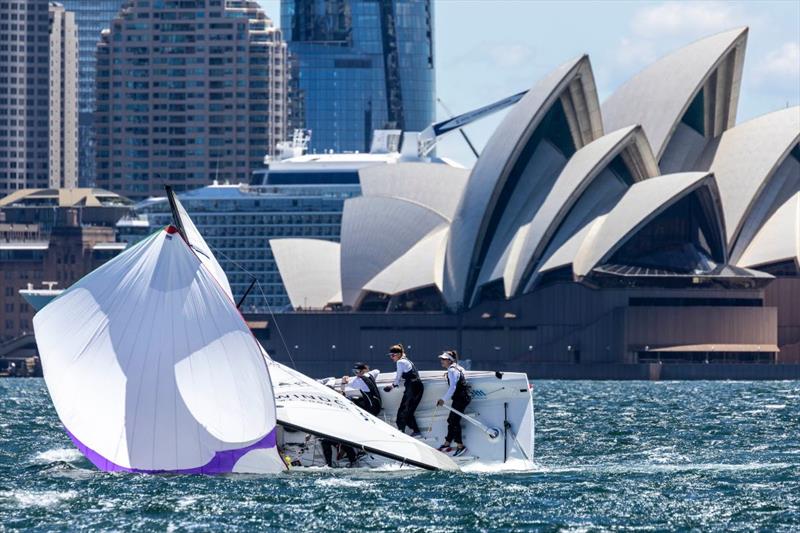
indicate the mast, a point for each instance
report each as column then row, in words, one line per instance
column 176, row 217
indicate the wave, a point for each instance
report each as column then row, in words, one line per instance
column 29, row 498
column 57, row 455
column 647, row 468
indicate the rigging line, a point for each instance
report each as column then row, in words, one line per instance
column 269, row 307
column 277, row 326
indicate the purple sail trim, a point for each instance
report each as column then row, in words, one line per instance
column 221, row 463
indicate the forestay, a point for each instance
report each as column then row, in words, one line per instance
column 152, row 369
column 305, row 404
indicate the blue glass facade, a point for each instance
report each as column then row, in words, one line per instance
column 363, row 65
column 91, row 17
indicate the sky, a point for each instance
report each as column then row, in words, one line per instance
column 486, row 50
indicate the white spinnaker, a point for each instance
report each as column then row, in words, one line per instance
column 151, row 367
column 306, row 404
column 202, row 249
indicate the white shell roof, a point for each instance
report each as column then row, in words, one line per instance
column 566, row 253
column 778, row 239
column 658, row 96
column 492, row 169
column 310, row 271
column 376, row 232
column 538, row 177
column 421, row 266
column 746, row 159
column 574, row 179
column 641, row 204
column 435, row 186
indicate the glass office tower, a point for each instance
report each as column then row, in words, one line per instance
column 363, row 65
column 91, row 17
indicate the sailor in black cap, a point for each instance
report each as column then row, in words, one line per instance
column 460, row 392
column 369, row 398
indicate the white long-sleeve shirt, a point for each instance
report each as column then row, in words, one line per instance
column 453, row 374
column 403, row 366
column 357, row 383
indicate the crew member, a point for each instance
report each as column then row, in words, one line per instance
column 459, row 392
column 369, row 398
column 328, row 445
column 327, row 452
column 407, row 372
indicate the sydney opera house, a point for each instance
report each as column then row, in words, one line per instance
column 647, row 236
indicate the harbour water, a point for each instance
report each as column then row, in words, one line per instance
column 609, row 455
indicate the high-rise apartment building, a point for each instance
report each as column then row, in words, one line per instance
column 188, row 91
column 363, row 65
column 91, row 17
column 63, row 98
column 38, row 47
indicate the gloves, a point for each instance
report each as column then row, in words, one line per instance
column 388, row 388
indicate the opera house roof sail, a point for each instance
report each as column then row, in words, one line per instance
column 658, row 185
column 683, row 99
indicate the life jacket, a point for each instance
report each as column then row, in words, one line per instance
column 372, row 399
column 463, row 388
column 411, row 375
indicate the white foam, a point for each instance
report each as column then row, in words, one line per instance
column 59, row 455
column 512, row 465
column 340, row 482
column 47, row 498
column 186, row 502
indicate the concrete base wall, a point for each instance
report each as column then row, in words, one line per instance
column 784, row 293
column 665, row 372
column 562, row 330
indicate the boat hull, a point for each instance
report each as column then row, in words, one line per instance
column 501, row 402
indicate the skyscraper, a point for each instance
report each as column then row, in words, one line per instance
column 363, row 64
column 188, row 91
column 91, row 17
column 63, row 127
column 38, row 61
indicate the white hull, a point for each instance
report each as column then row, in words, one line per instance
column 496, row 400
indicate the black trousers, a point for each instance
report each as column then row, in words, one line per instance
column 454, row 420
column 367, row 404
column 327, row 451
column 408, row 405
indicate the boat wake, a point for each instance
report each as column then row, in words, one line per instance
column 510, row 466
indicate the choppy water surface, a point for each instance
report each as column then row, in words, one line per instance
column 652, row 456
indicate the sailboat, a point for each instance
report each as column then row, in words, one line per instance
column 152, row 369
column 306, row 407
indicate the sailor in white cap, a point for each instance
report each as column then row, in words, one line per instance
column 460, row 393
